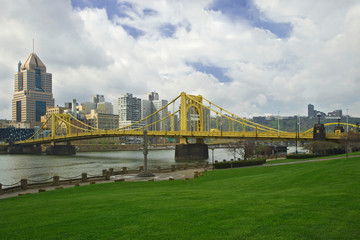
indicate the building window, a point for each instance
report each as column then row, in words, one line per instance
column 40, row 109
column 18, row 111
column 38, row 80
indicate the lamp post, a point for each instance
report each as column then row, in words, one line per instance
column 145, row 172
column 319, row 116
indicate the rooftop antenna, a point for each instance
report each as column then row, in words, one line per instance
column 33, row 46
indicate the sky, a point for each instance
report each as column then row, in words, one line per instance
column 251, row 57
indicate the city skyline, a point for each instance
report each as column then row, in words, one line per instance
column 252, row 58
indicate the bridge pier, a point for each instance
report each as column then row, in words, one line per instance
column 191, row 151
column 60, row 150
column 24, row 149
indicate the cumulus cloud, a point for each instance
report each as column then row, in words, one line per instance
column 272, row 56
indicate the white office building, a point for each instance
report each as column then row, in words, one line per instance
column 128, row 108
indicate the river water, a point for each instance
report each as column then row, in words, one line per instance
column 42, row 167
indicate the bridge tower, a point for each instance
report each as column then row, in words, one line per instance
column 191, row 121
column 319, row 130
column 58, row 125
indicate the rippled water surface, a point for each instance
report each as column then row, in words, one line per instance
column 41, row 167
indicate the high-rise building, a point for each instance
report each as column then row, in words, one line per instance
column 311, row 111
column 97, row 102
column 128, row 108
column 150, row 105
column 151, row 96
column 32, row 92
column 104, row 107
column 86, row 107
column 97, row 98
column 158, row 105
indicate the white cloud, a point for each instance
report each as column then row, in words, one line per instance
column 87, row 53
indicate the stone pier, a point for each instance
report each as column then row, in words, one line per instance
column 61, row 150
column 192, row 151
column 24, row 149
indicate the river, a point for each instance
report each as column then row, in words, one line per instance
column 42, row 167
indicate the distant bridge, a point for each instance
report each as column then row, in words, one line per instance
column 191, row 120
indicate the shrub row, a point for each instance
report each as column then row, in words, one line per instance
column 236, row 164
column 303, row 156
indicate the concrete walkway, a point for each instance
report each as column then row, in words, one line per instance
column 313, row 160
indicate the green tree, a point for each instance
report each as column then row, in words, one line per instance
column 323, row 147
column 243, row 149
column 351, row 141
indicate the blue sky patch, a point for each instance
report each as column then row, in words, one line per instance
column 149, row 12
column 246, row 10
column 217, row 72
column 167, row 30
column 113, row 7
column 134, row 32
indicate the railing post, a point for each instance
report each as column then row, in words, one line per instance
column 56, row 180
column 24, row 183
column 111, row 170
column 84, row 177
column 158, row 169
column 0, row 188
column 124, row 170
column 104, row 172
column 107, row 176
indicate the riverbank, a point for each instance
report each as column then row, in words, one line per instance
column 166, row 175
column 184, row 171
column 38, row 167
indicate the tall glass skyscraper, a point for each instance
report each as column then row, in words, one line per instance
column 32, row 91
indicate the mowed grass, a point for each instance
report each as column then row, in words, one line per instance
column 315, row 200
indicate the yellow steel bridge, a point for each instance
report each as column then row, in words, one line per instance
column 190, row 118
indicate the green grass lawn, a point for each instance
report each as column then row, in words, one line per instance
column 315, row 200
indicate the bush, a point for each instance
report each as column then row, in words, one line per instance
column 236, row 164
column 304, row 156
column 324, row 148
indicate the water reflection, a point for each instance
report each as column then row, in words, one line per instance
column 39, row 167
